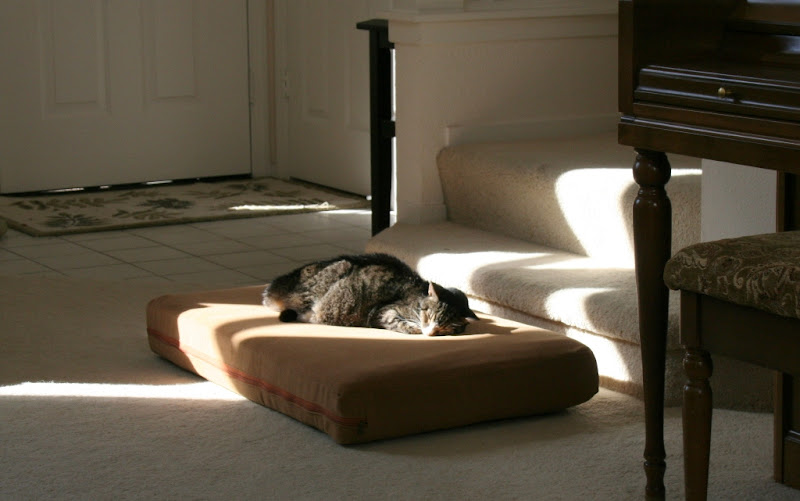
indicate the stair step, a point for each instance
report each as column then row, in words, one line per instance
column 541, row 232
column 575, row 194
column 536, row 280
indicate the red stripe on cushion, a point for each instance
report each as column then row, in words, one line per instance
column 246, row 378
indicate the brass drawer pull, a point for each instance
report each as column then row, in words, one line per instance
column 723, row 93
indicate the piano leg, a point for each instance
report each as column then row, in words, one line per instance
column 652, row 229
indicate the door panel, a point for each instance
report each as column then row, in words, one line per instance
column 100, row 92
column 328, row 75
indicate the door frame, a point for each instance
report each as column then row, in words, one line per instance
column 261, row 48
column 280, row 103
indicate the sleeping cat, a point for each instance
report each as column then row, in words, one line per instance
column 368, row 290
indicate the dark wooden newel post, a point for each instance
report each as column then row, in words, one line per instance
column 381, row 123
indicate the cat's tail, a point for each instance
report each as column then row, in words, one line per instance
column 287, row 316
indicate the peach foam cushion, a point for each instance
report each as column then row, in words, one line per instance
column 358, row 384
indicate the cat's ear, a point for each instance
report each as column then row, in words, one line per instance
column 433, row 290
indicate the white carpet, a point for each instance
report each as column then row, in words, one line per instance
column 120, row 423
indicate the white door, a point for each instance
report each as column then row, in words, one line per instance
column 326, row 82
column 102, row 92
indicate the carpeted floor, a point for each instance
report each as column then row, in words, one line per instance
column 113, row 209
column 88, row 412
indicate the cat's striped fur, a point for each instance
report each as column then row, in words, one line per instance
column 368, row 290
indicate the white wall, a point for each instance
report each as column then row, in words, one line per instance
column 737, row 200
column 468, row 75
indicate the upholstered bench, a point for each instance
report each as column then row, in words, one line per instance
column 358, row 384
column 740, row 297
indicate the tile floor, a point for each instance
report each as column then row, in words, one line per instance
column 220, row 253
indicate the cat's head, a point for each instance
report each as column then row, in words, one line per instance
column 444, row 311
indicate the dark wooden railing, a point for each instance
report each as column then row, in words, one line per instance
column 381, row 123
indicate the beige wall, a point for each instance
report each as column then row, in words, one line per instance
column 737, row 200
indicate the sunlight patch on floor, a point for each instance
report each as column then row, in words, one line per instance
column 193, row 391
column 257, row 208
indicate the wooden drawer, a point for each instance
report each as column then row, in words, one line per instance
column 758, row 91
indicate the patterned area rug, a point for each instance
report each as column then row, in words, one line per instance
column 114, row 209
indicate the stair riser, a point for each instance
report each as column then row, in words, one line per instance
column 578, row 202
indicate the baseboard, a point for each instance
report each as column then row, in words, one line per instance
column 545, row 128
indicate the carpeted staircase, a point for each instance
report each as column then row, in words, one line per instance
column 541, row 232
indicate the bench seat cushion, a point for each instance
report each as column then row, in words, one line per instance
column 759, row 271
column 358, row 384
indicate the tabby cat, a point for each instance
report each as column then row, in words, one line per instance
column 368, row 290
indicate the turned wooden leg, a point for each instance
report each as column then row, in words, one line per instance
column 696, row 422
column 652, row 238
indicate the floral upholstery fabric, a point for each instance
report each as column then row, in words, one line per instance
column 761, row 271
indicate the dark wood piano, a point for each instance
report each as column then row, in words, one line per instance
column 715, row 79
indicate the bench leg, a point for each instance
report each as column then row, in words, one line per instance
column 697, row 405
